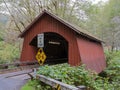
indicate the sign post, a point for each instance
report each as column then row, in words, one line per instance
column 40, row 40
column 40, row 56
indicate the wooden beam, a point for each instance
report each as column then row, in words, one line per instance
column 53, row 83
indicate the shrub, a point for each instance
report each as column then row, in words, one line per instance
column 8, row 52
column 76, row 76
column 113, row 69
column 80, row 76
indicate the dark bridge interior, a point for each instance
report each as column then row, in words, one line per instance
column 55, row 48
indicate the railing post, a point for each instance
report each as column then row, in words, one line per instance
column 35, row 73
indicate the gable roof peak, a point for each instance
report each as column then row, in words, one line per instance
column 73, row 27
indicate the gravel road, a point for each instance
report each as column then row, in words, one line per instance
column 12, row 82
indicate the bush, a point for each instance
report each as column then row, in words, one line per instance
column 8, row 52
column 76, row 76
column 113, row 69
column 80, row 76
column 1, row 34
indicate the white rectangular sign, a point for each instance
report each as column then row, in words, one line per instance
column 40, row 40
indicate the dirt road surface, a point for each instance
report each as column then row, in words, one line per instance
column 13, row 81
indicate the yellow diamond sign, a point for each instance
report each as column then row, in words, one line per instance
column 58, row 87
column 40, row 56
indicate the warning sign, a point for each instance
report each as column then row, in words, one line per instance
column 58, row 87
column 40, row 56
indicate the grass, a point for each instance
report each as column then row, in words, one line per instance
column 27, row 87
column 31, row 85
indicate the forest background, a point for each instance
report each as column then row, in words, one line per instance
column 101, row 19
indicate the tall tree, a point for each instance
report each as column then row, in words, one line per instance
column 112, row 23
column 22, row 12
column 104, row 21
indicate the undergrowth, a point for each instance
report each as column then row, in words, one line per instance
column 109, row 79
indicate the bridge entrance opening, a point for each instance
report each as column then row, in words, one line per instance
column 55, row 48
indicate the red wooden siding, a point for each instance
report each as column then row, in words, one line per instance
column 49, row 24
column 82, row 48
column 91, row 54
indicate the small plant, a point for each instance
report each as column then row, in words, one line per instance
column 36, row 85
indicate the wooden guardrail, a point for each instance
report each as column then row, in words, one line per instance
column 17, row 73
column 46, row 80
column 12, row 67
column 55, row 83
column 7, row 65
column 49, row 61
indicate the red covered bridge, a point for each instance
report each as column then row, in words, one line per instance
column 63, row 42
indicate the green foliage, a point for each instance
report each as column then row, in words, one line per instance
column 27, row 87
column 36, row 85
column 1, row 32
column 76, row 76
column 30, row 85
column 8, row 52
column 1, row 38
column 80, row 76
column 113, row 68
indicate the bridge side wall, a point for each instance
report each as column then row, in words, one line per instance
column 48, row 24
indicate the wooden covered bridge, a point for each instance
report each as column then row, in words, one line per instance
column 63, row 42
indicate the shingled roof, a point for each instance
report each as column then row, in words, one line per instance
column 77, row 29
